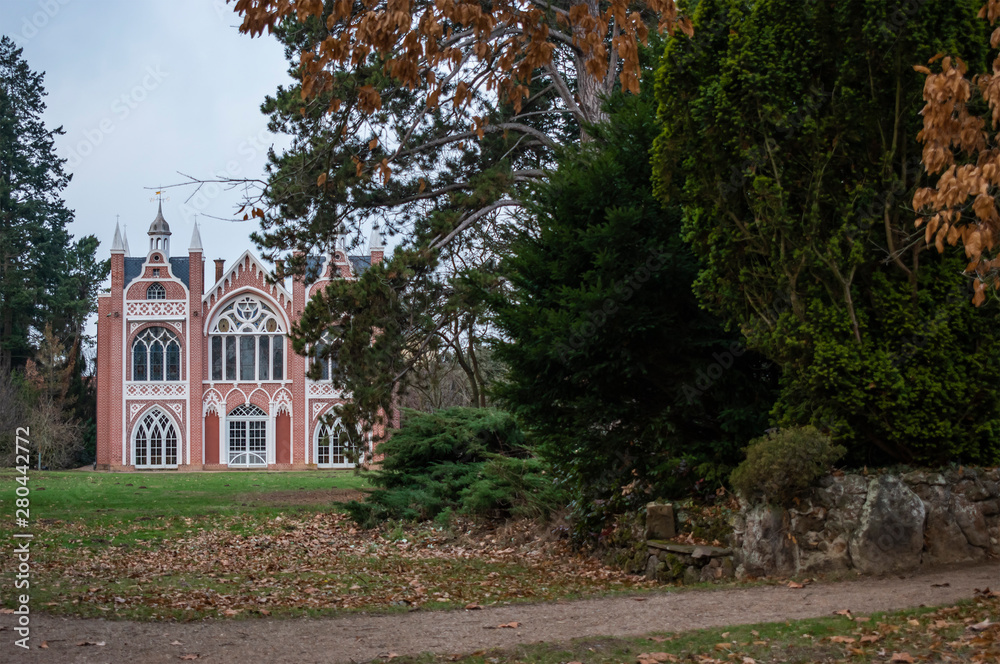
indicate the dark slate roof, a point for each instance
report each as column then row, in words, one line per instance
column 181, row 268
column 314, row 268
column 133, row 268
column 360, row 263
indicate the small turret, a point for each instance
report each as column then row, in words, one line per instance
column 159, row 234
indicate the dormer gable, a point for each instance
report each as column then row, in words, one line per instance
column 246, row 271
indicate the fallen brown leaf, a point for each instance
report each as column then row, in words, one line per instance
column 793, row 584
column 510, row 625
column 472, row 607
column 902, row 657
column 980, row 626
column 189, row 656
column 45, row 644
column 841, row 639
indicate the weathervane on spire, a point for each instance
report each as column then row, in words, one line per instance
column 159, row 196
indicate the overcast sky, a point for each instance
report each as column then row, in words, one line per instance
column 146, row 89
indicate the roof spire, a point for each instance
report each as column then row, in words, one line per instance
column 125, row 239
column 195, row 239
column 116, row 244
column 376, row 242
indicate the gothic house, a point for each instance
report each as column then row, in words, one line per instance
column 203, row 376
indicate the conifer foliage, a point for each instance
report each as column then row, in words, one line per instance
column 790, row 141
column 48, row 281
column 625, row 384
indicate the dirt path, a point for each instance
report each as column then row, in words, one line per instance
column 359, row 638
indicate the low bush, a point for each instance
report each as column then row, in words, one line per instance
column 472, row 461
column 784, row 462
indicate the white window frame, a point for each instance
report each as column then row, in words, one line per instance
column 242, row 417
column 158, row 414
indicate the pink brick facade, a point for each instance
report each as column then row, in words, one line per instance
column 196, row 376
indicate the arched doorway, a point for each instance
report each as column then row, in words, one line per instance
column 247, row 436
column 154, row 442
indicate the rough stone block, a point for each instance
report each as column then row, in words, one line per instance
column 890, row 533
column 660, row 521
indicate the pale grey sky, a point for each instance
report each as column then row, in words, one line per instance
column 146, row 89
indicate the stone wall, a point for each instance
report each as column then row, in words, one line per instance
column 874, row 524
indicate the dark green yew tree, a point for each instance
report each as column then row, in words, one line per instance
column 627, row 386
column 789, row 140
column 45, row 277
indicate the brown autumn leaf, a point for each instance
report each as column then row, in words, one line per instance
column 189, row 656
column 980, row 626
column 870, row 638
column 472, row 607
column 902, row 657
column 793, row 584
column 321, row 180
column 509, row 625
column 45, row 645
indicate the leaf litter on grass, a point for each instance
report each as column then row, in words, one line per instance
column 247, row 565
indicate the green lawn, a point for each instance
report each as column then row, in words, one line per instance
column 194, row 545
column 100, row 498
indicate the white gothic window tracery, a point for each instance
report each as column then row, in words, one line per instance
column 155, row 441
column 156, row 291
column 247, row 342
column 156, row 355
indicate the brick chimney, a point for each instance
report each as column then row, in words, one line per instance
column 220, row 265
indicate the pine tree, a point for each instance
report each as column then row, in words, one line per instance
column 45, row 277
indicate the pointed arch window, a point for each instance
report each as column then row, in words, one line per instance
column 247, row 342
column 156, row 355
column 154, row 444
column 333, row 446
column 320, row 354
column 156, row 291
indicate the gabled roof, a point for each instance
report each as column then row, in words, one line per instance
column 218, row 288
column 179, row 267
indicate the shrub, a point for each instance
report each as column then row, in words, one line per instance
column 470, row 461
column 782, row 463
